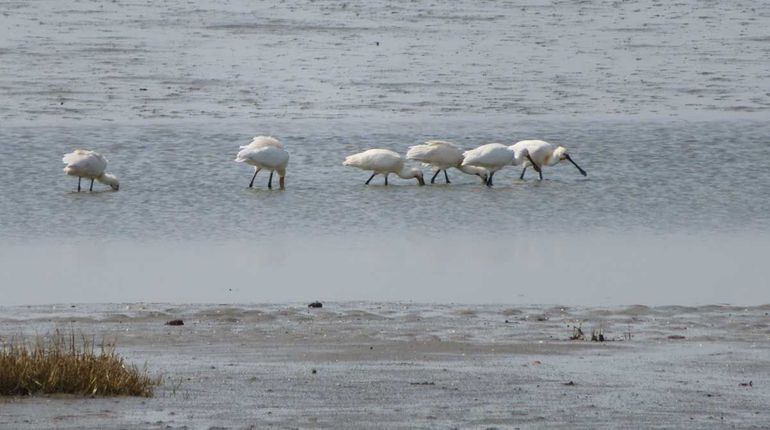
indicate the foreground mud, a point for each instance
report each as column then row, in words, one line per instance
column 393, row 365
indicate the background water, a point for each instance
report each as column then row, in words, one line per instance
column 665, row 106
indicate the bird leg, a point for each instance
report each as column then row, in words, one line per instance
column 91, row 188
column 256, row 170
column 446, row 177
column 79, row 178
column 270, row 181
column 536, row 167
column 522, row 173
column 433, row 179
column 386, row 179
column 489, row 179
column 371, row 177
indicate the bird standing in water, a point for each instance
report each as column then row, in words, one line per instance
column 541, row 154
column 265, row 152
column 384, row 162
column 91, row 165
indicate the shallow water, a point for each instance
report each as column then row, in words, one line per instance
column 663, row 104
column 181, row 182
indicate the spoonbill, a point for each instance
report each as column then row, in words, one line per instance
column 493, row 157
column 543, row 154
column 443, row 155
column 89, row 164
column 385, row 162
column 265, row 152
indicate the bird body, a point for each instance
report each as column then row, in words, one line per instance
column 265, row 152
column 442, row 155
column 493, row 157
column 542, row 153
column 383, row 162
column 89, row 164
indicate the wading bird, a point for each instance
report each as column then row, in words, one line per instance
column 384, row 162
column 265, row 153
column 442, row 155
column 493, row 157
column 90, row 165
column 541, row 154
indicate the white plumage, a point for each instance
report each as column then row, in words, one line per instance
column 265, row 152
column 493, row 157
column 89, row 164
column 442, row 155
column 263, row 141
column 542, row 153
column 384, row 162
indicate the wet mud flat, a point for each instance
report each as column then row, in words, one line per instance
column 398, row 365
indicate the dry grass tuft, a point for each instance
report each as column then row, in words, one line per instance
column 68, row 364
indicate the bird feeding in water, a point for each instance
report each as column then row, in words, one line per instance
column 442, row 155
column 384, row 162
column 493, row 157
column 542, row 154
column 265, row 153
column 91, row 165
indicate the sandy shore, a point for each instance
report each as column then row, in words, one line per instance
column 394, row 365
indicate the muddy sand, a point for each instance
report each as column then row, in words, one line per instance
column 399, row 365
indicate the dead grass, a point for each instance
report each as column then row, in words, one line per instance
column 69, row 364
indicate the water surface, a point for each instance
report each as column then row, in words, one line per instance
column 664, row 105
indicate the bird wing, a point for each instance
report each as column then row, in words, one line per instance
column 268, row 156
column 375, row 159
column 88, row 162
column 490, row 154
column 436, row 152
column 441, row 143
column 263, row 141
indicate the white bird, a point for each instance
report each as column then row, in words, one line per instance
column 88, row 164
column 443, row 155
column 493, row 157
column 543, row 154
column 385, row 162
column 265, row 152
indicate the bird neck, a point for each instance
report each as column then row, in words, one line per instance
column 108, row 179
column 472, row 170
column 406, row 173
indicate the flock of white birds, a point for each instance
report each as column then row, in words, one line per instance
column 267, row 153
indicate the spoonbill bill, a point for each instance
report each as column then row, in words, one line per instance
column 443, row 155
column 89, row 164
column 493, row 157
column 385, row 162
column 265, row 152
column 543, row 154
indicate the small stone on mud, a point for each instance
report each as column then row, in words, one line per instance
column 746, row 384
column 316, row 305
column 570, row 383
column 313, row 371
column 676, row 337
column 175, row 322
